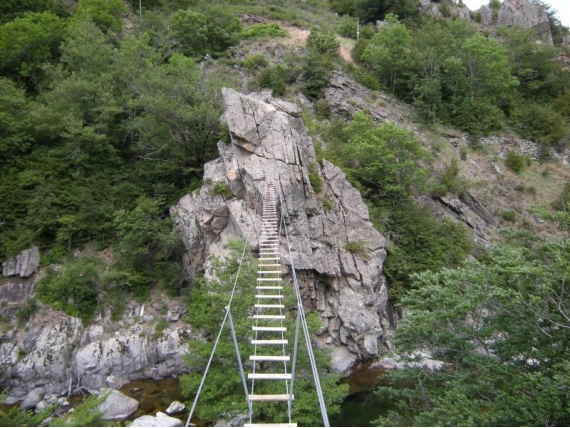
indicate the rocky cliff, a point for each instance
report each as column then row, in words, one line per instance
column 519, row 12
column 56, row 353
column 269, row 142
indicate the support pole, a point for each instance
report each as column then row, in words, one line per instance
column 242, row 374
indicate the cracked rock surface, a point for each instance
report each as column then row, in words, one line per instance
column 270, row 143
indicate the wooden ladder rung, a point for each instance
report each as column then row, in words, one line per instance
column 271, row 397
column 269, row 342
column 269, row 317
column 268, row 296
column 269, row 279
column 269, row 306
column 269, row 376
column 269, row 358
column 272, row 329
column 292, row 425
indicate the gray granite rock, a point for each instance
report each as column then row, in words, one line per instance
column 160, row 420
column 270, row 143
column 32, row 399
column 117, row 406
column 24, row 264
column 175, row 407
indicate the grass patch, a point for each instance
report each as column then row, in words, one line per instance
column 315, row 179
column 221, row 188
column 263, row 30
column 357, row 248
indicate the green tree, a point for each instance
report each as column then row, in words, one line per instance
column 15, row 138
column 389, row 52
column 73, row 289
column 500, row 327
column 374, row 10
column 384, row 158
column 27, row 42
column 11, row 9
column 209, row 30
column 107, row 14
column 223, row 391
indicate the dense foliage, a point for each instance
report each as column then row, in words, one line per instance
column 500, row 326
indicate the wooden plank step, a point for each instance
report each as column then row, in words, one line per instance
column 268, row 271
column 269, row 358
column 269, row 279
column 271, row 397
column 269, row 264
column 269, row 287
column 269, row 342
column 272, row 329
column 268, row 317
column 269, row 306
column 269, row 258
column 269, row 376
column 292, row 425
column 268, row 296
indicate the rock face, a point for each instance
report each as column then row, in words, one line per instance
column 270, row 143
column 519, row 12
column 57, row 353
column 528, row 15
column 345, row 97
column 432, row 8
column 23, row 265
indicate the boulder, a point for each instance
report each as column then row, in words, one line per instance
column 175, row 407
column 117, row 406
column 160, row 420
column 32, row 399
column 24, row 264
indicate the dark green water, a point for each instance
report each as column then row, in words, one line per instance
column 362, row 406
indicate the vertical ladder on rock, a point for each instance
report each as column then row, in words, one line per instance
column 270, row 364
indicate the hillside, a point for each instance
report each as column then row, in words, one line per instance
column 426, row 187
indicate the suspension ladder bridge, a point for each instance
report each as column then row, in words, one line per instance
column 274, row 358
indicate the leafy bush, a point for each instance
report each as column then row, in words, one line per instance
column 223, row 189
column 26, row 310
column 541, row 123
column 509, row 216
column 72, row 289
column 323, row 43
column 263, row 30
column 256, row 61
column 315, row 178
column 358, row 249
column 515, row 162
column 273, row 78
column 450, row 180
column 212, row 30
column 383, row 158
column 562, row 203
column 422, row 243
column 322, row 109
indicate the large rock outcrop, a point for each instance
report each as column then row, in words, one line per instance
column 270, row 143
column 56, row 353
column 528, row 15
column 519, row 12
column 24, row 264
